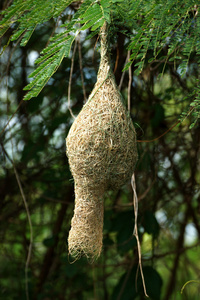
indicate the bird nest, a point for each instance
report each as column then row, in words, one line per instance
column 101, row 148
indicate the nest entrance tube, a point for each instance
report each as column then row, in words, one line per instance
column 101, row 149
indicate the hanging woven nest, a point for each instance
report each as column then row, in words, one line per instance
column 101, row 148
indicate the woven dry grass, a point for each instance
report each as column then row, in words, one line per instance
column 101, row 148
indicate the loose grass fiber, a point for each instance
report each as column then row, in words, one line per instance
column 101, row 149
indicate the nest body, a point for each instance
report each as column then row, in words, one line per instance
column 101, row 144
column 101, row 148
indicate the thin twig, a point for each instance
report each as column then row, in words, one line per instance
column 146, row 191
column 135, row 232
column 123, row 74
column 149, row 141
column 53, row 31
column 11, row 118
column 135, row 198
column 31, row 232
column 70, row 79
column 55, row 200
column 129, row 82
column 21, row 190
column 29, row 220
column 81, row 69
column 116, row 61
column 125, row 281
column 7, row 68
column 190, row 281
column 95, row 48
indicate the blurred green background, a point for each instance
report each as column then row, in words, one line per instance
column 167, row 179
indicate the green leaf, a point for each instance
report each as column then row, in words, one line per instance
column 48, row 67
column 28, row 16
column 150, row 224
column 191, row 126
column 153, row 283
column 90, row 23
column 115, row 1
column 129, row 288
column 17, row 34
column 183, row 67
column 45, row 57
column 27, row 36
column 49, row 242
column 98, row 24
column 123, row 225
column 105, row 4
column 194, row 103
column 91, row 13
column 151, row 59
column 175, row 58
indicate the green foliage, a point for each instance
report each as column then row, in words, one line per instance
column 49, row 63
column 171, row 25
column 151, row 25
column 29, row 14
column 194, row 108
